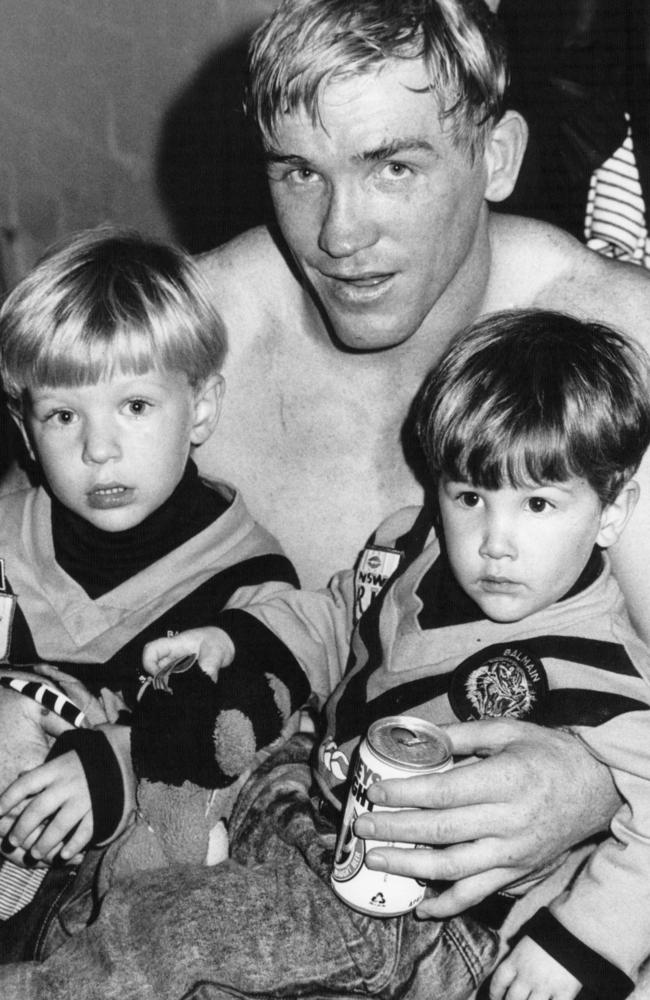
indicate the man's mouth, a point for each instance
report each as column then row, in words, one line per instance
column 358, row 288
column 363, row 280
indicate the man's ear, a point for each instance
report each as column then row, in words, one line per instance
column 615, row 516
column 504, row 151
column 207, row 407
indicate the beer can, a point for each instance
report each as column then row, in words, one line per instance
column 395, row 747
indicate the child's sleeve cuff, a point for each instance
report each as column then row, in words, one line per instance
column 599, row 977
column 103, row 776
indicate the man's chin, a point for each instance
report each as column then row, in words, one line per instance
column 364, row 326
column 361, row 337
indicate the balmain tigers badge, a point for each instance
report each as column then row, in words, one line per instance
column 504, row 681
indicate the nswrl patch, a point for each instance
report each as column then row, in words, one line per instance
column 376, row 566
column 500, row 681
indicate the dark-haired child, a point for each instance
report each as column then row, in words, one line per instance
column 495, row 600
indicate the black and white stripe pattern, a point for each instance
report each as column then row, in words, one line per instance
column 17, row 887
column 615, row 221
column 46, row 696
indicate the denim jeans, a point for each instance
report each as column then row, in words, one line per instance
column 265, row 924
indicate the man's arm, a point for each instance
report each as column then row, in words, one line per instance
column 631, row 554
column 532, row 794
column 27, row 730
column 619, row 295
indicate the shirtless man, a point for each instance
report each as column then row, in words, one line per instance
column 386, row 249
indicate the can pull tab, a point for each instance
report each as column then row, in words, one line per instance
column 406, row 737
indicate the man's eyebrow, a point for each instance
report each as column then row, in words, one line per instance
column 274, row 156
column 407, row 144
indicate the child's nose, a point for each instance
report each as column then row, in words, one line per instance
column 498, row 539
column 101, row 443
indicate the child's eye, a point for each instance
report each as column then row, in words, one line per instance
column 62, row 417
column 538, row 505
column 468, row 498
column 138, row 406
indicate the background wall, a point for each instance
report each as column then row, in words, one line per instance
column 121, row 110
column 130, row 111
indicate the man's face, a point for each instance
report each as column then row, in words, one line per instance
column 384, row 216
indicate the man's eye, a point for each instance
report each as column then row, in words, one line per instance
column 303, row 175
column 395, row 170
column 468, row 499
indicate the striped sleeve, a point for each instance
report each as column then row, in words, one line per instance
column 615, row 220
column 48, row 697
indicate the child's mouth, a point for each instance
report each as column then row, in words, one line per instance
column 113, row 495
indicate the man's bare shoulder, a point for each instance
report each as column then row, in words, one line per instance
column 249, row 279
column 537, row 265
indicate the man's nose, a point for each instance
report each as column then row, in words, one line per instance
column 101, row 442
column 347, row 225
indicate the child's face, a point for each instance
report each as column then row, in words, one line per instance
column 516, row 551
column 113, row 452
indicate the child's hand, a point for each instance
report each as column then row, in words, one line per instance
column 213, row 648
column 53, row 809
column 529, row 971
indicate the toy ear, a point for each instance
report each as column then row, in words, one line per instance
column 177, row 813
column 504, row 152
column 615, row 516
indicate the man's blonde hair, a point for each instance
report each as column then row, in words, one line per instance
column 306, row 44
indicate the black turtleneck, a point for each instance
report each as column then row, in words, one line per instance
column 101, row 560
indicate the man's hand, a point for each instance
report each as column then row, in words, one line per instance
column 27, row 731
column 532, row 794
column 53, row 806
